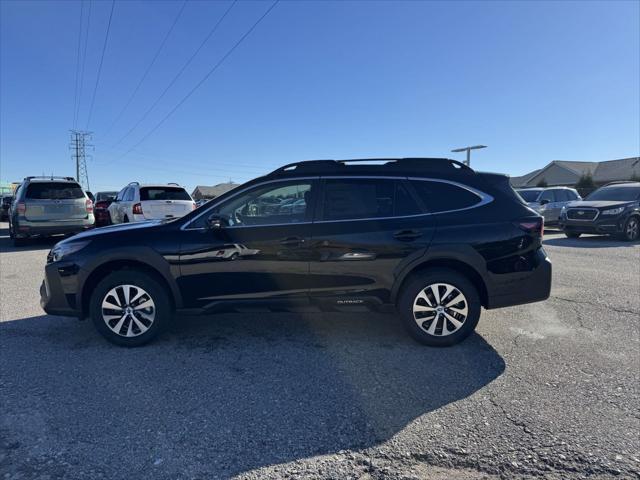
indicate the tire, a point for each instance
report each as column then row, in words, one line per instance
column 155, row 317
column 125, row 219
column 572, row 234
column 19, row 242
column 418, row 292
column 234, row 256
column 631, row 230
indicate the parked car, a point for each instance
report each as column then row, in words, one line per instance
column 136, row 203
column 430, row 237
column 45, row 206
column 548, row 202
column 5, row 207
column 613, row 209
column 101, row 208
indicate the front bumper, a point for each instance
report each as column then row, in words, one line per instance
column 530, row 286
column 601, row 225
column 58, row 290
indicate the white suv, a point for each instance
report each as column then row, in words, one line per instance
column 135, row 203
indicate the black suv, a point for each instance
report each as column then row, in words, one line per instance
column 430, row 237
column 613, row 210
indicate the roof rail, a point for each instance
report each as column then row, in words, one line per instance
column 48, row 177
column 417, row 163
column 620, row 182
column 173, row 183
column 133, row 183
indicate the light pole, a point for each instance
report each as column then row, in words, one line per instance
column 468, row 150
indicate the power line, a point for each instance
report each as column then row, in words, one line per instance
column 204, row 79
column 84, row 58
column 177, row 76
column 104, row 47
column 144, row 76
column 75, row 95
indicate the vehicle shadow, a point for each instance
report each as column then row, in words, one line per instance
column 224, row 395
column 6, row 244
column 588, row 241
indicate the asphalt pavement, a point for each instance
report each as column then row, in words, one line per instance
column 542, row 390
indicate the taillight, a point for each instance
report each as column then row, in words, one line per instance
column 21, row 207
column 137, row 209
column 534, row 225
column 89, row 205
column 193, row 206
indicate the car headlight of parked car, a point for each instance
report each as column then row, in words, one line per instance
column 62, row 250
column 613, row 211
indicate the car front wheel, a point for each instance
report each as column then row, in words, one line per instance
column 572, row 234
column 439, row 307
column 631, row 230
column 130, row 308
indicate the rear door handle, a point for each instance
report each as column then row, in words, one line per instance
column 291, row 241
column 407, row 235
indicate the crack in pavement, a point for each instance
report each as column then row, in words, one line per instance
column 593, row 304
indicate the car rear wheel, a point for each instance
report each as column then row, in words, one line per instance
column 130, row 308
column 439, row 307
column 631, row 230
column 572, row 234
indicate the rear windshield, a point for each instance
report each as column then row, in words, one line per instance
column 621, row 194
column 164, row 193
column 100, row 196
column 529, row 195
column 54, row 191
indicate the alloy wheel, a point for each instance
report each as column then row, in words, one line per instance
column 632, row 228
column 128, row 310
column 440, row 309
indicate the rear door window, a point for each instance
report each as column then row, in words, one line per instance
column 128, row 196
column 444, row 197
column 548, row 195
column 54, row 191
column 358, row 198
column 163, row 193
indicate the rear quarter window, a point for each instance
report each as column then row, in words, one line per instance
column 54, row 191
column 443, row 197
column 163, row 193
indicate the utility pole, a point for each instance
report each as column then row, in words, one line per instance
column 468, row 150
column 78, row 147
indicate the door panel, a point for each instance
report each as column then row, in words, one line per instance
column 368, row 227
column 261, row 251
column 243, row 263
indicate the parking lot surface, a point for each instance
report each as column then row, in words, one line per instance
column 547, row 389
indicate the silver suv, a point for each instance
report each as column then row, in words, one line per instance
column 549, row 201
column 45, row 206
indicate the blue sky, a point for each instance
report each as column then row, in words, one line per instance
column 535, row 81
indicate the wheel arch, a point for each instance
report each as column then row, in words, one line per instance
column 104, row 269
column 452, row 264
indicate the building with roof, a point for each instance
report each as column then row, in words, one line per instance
column 204, row 192
column 565, row 173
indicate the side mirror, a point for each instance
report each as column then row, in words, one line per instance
column 217, row 221
column 544, row 202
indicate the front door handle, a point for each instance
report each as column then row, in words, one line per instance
column 291, row 241
column 407, row 235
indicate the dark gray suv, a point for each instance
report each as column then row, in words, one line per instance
column 45, row 206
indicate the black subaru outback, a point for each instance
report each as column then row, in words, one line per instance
column 430, row 238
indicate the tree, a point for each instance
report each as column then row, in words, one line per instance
column 542, row 183
column 585, row 182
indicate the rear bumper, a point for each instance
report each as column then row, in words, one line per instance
column 522, row 287
column 24, row 228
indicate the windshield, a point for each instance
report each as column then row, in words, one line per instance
column 54, row 191
column 529, row 195
column 619, row 193
column 100, row 196
column 163, row 193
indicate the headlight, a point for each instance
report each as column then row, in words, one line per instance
column 62, row 250
column 563, row 211
column 613, row 211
